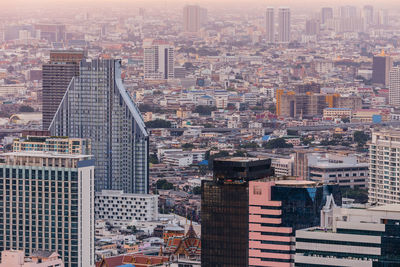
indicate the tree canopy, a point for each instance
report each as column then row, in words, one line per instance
column 277, row 143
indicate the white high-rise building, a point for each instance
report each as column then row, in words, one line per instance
column 47, row 203
column 384, row 169
column 193, row 18
column 394, row 86
column 158, row 59
column 284, row 25
column 270, row 25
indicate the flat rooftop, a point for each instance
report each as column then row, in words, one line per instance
column 295, row 183
column 388, row 207
column 42, row 154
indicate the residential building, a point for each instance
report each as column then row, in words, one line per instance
column 60, row 145
column 312, row 27
column 277, row 208
column 193, row 18
column 337, row 113
column 381, row 66
column 122, row 209
column 284, row 25
column 225, row 209
column 56, row 77
column 97, row 106
column 270, row 25
column 344, row 170
column 51, row 32
column 17, row 258
column 384, row 148
column 352, row 237
column 326, row 14
column 394, row 87
column 47, row 201
column 158, row 59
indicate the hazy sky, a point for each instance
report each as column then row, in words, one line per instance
column 304, row 4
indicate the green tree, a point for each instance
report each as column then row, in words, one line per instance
column 158, row 123
column 239, row 153
column 360, row 138
column 153, row 158
column 187, row 146
column 26, row 109
column 204, row 110
column 197, row 190
column 277, row 143
column 164, row 184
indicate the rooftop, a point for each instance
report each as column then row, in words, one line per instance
column 46, row 154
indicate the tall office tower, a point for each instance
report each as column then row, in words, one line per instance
column 326, row 14
column 158, row 59
column 193, row 18
column 312, row 27
column 277, row 208
column 348, row 11
column 394, row 87
column 47, row 203
column 270, row 25
column 381, row 66
column 97, row 106
column 56, row 75
column 51, row 32
column 352, row 237
column 382, row 17
column 368, row 14
column 284, row 25
column 225, row 209
column 384, row 150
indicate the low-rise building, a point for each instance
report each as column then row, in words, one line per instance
column 337, row 113
column 17, row 258
column 121, row 209
column 352, row 237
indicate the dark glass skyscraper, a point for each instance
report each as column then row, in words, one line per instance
column 97, row 106
column 225, row 209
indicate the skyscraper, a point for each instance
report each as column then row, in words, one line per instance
column 193, row 18
column 57, row 74
column 394, row 87
column 326, row 14
column 284, row 25
column 47, row 203
column 368, row 13
column 225, row 208
column 312, row 27
column 158, row 59
column 383, row 151
column 381, row 66
column 270, row 25
column 97, row 106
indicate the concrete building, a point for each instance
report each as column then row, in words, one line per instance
column 60, row 145
column 17, row 258
column 346, row 171
column 283, row 166
column 122, row 209
column 326, row 14
column 384, row 150
column 312, row 27
column 394, row 87
column 381, row 66
column 158, row 59
column 284, row 25
column 97, row 106
column 337, row 113
column 193, row 18
column 270, row 25
column 56, row 76
column 47, row 201
column 352, row 237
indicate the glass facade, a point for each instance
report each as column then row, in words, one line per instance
column 39, row 207
column 97, row 106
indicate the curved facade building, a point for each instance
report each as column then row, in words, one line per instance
column 97, row 106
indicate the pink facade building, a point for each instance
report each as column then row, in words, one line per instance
column 277, row 208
